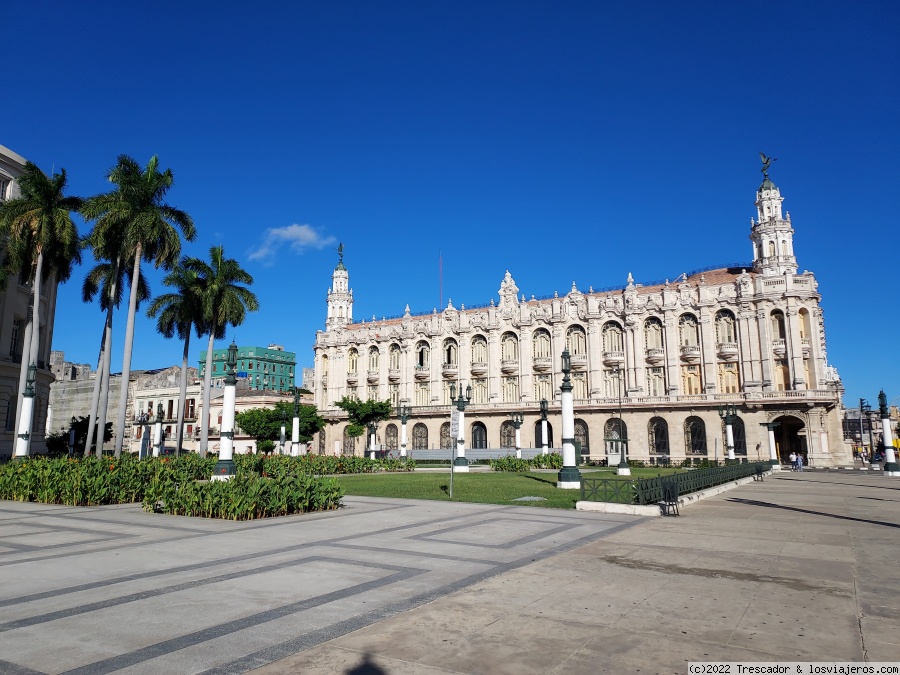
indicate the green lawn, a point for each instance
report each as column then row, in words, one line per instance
column 484, row 488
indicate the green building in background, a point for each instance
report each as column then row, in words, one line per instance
column 265, row 368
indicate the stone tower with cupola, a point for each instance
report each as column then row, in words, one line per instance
column 340, row 296
column 772, row 234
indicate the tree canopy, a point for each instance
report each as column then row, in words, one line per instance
column 264, row 424
column 363, row 413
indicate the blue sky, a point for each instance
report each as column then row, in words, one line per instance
column 569, row 141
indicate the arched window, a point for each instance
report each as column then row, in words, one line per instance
column 612, row 337
column 658, row 436
column 538, row 439
column 479, row 349
column 777, row 320
column 695, row 436
column 373, row 358
column 804, row 325
column 615, row 433
column 423, row 351
column 349, row 443
column 725, row 327
column 479, row 436
column 507, row 435
column 653, row 333
column 541, row 344
column 582, row 436
column 446, row 442
column 390, row 437
column 576, row 342
column 395, row 357
column 420, row 437
column 450, row 351
column 739, row 435
column 688, row 331
column 509, row 347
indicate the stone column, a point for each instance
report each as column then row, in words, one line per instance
column 569, row 476
column 891, row 467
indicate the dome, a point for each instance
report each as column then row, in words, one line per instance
column 767, row 185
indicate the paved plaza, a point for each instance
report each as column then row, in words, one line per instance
column 798, row 567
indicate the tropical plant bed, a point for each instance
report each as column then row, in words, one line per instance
column 483, row 488
column 262, row 486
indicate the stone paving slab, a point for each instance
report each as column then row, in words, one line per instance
column 115, row 589
column 798, row 567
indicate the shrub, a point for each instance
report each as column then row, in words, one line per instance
column 244, row 497
column 510, row 463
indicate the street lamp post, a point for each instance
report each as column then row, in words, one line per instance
column 72, row 423
column 569, row 477
column 283, row 426
column 773, row 452
column 545, row 443
column 517, row 419
column 728, row 412
column 157, row 431
column 295, row 426
column 224, row 469
column 891, row 468
column 460, row 465
column 404, row 411
column 372, row 429
column 23, row 433
column 623, row 469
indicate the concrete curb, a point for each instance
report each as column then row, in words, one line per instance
column 655, row 509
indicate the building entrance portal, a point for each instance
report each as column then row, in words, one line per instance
column 790, row 436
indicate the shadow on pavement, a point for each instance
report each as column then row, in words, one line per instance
column 367, row 667
column 753, row 502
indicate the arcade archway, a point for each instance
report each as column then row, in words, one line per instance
column 790, row 436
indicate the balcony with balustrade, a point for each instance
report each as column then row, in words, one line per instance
column 542, row 364
column 690, row 353
column 422, row 373
column 579, row 362
column 450, row 370
column 727, row 351
column 509, row 366
column 352, row 378
column 372, row 377
column 614, row 358
column 393, row 375
column 779, row 349
column 479, row 368
column 655, row 355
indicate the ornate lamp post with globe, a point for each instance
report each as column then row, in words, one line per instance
column 404, row 410
column 23, row 433
column 460, row 465
column 728, row 412
column 224, row 469
column 295, row 427
column 545, row 441
column 283, row 426
column 157, row 431
column 72, row 424
column 891, row 468
column 517, row 418
column 569, row 476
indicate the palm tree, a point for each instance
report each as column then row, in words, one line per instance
column 136, row 212
column 42, row 242
column 224, row 303
column 106, row 279
column 178, row 313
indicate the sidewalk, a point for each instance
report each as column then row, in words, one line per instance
column 799, row 567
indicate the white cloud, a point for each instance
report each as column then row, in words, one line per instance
column 297, row 237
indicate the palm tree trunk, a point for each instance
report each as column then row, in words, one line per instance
column 35, row 338
column 101, row 362
column 103, row 406
column 126, row 357
column 207, row 382
column 182, row 395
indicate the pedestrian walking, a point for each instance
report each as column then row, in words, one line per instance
column 793, row 458
column 799, row 462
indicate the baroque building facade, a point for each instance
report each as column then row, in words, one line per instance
column 669, row 356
